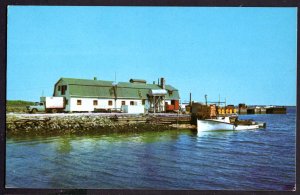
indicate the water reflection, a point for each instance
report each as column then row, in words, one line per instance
column 64, row 142
column 63, row 145
column 221, row 134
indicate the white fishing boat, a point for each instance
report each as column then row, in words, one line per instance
column 211, row 118
column 226, row 123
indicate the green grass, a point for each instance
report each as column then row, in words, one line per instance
column 17, row 105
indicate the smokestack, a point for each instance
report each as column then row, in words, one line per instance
column 162, row 83
column 190, row 98
column 158, row 81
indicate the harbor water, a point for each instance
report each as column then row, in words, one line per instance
column 262, row 159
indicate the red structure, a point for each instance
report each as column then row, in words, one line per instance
column 173, row 107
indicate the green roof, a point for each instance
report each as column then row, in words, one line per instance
column 169, row 87
column 138, row 85
column 72, row 81
column 91, row 91
column 105, row 89
column 173, row 96
column 140, row 90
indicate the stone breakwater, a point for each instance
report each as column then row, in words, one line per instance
column 92, row 123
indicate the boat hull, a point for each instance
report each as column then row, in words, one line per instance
column 210, row 125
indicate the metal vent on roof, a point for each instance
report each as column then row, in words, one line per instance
column 137, row 81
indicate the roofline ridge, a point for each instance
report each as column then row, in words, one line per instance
column 84, row 79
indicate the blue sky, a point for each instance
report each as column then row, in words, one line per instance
column 246, row 55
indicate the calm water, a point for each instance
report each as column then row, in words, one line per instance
column 246, row 160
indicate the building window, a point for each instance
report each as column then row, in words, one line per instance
column 58, row 88
column 66, row 102
column 131, row 103
column 63, row 89
column 95, row 102
column 110, row 103
column 78, row 102
column 123, row 103
column 143, row 102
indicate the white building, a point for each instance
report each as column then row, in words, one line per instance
column 83, row 95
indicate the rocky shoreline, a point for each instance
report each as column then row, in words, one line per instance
column 91, row 123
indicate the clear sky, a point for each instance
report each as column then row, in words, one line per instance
column 246, row 55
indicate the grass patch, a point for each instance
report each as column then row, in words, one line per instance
column 17, row 105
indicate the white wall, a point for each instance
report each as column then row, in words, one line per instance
column 127, row 102
column 87, row 104
column 133, row 109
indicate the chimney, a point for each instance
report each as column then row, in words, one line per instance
column 162, row 83
column 95, row 78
